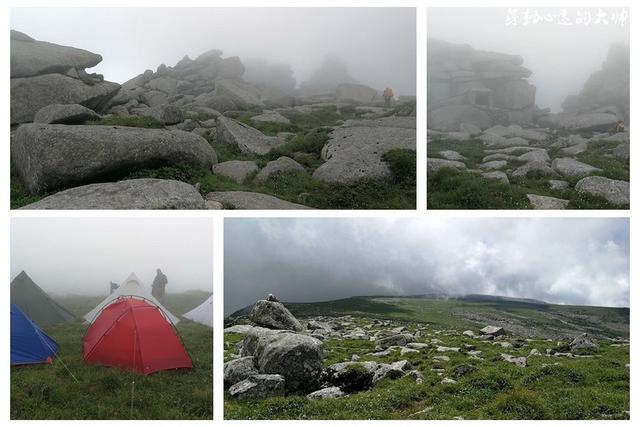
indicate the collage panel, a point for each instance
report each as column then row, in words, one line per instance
column 161, row 109
column 111, row 318
column 528, row 108
column 426, row 318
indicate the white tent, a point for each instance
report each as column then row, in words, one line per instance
column 202, row 313
column 130, row 287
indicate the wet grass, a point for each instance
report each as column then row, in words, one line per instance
column 596, row 387
column 460, row 189
column 50, row 392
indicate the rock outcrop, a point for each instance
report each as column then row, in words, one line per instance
column 45, row 73
column 481, row 88
column 273, row 314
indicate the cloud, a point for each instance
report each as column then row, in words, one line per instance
column 378, row 45
column 561, row 57
column 567, row 261
column 82, row 255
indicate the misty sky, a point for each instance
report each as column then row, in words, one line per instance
column 82, row 255
column 560, row 57
column 377, row 44
column 569, row 261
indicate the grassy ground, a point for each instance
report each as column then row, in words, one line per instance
column 50, row 392
column 310, row 133
column 594, row 387
column 454, row 189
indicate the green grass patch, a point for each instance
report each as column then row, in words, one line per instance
column 50, row 392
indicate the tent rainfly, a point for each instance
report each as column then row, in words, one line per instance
column 203, row 313
column 35, row 302
column 29, row 344
column 134, row 334
column 130, row 287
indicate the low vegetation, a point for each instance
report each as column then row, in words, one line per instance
column 460, row 189
column 310, row 132
column 594, row 386
column 51, row 392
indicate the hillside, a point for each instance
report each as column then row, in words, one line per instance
column 523, row 317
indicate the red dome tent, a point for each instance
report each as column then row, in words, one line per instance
column 133, row 334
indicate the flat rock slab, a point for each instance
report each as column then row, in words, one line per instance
column 452, row 155
column 534, row 168
column 238, row 170
column 65, row 114
column 249, row 200
column 354, row 152
column 33, row 57
column 128, row 194
column 49, row 157
column 546, row 202
column 246, row 138
column 571, row 167
column 614, row 191
column 30, row 94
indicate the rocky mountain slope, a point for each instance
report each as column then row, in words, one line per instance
column 426, row 358
column 197, row 135
column 508, row 153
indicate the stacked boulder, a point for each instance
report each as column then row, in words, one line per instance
column 45, row 73
column 476, row 87
column 276, row 357
column 209, row 82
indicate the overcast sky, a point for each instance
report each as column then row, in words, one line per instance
column 82, row 255
column 377, row 44
column 561, row 57
column 568, row 261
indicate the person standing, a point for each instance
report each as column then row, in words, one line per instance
column 388, row 96
column 159, row 285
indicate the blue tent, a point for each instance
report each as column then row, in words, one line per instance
column 29, row 344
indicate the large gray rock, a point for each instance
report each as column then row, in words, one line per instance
column 450, row 117
column 393, row 340
column 129, row 194
column 259, row 386
column 351, row 92
column 492, row 330
column 167, row 114
column 592, row 121
column 352, row 376
column 546, row 202
column 583, row 341
column 240, row 369
column 246, row 138
column 66, row 114
column 614, row 191
column 354, row 151
column 30, row 57
column 571, row 167
column 297, row 357
column 326, row 393
column 240, row 95
column 30, row 94
column 49, row 157
column 434, row 165
column 250, row 200
column 281, row 165
column 273, row 314
column 238, row 170
column 532, row 169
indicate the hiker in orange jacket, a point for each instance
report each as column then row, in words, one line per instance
column 388, row 96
